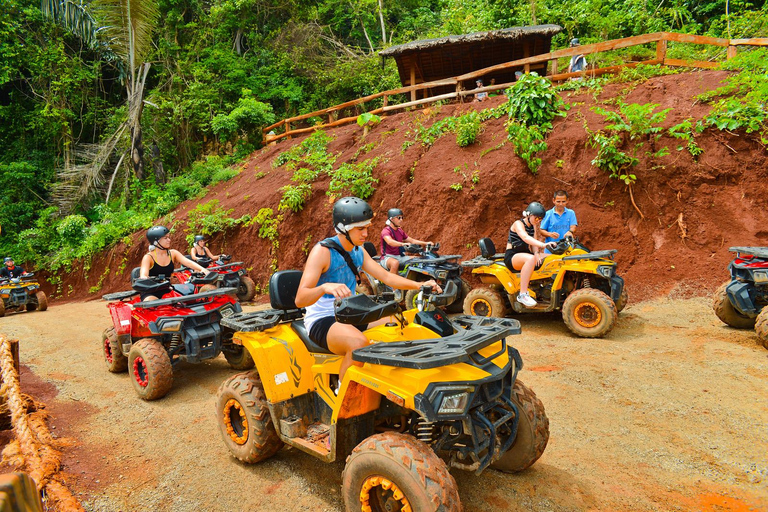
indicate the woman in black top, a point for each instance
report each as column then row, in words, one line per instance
column 161, row 259
column 525, row 252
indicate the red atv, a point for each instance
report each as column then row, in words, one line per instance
column 741, row 302
column 231, row 275
column 150, row 337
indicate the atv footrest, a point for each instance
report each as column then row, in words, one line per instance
column 461, row 347
column 261, row 320
column 185, row 299
column 120, row 295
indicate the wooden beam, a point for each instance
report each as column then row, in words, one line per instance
column 601, row 71
column 448, row 96
column 704, row 64
column 413, row 81
column 755, row 41
column 690, row 38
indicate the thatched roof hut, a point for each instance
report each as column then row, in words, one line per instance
column 444, row 57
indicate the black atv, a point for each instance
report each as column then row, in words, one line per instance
column 20, row 293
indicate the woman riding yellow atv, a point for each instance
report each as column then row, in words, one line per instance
column 430, row 394
column 583, row 284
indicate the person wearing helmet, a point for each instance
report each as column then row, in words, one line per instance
column 331, row 273
column 578, row 62
column 559, row 222
column 10, row 269
column 160, row 260
column 393, row 239
column 525, row 250
column 200, row 251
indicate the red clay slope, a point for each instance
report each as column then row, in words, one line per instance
column 694, row 209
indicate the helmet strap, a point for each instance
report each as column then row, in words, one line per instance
column 157, row 244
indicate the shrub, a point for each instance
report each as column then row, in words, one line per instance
column 467, row 129
column 357, row 179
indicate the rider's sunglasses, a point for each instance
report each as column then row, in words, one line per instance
column 398, row 217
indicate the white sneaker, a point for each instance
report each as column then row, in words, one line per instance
column 526, row 300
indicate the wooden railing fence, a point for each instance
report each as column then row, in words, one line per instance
column 660, row 38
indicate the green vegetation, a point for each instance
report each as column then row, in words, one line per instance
column 467, row 129
column 210, row 218
column 355, row 179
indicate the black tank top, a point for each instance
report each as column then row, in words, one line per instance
column 514, row 239
column 161, row 270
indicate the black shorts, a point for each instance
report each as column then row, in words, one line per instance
column 517, row 250
column 319, row 331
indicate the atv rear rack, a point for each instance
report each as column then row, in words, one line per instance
column 257, row 321
column 474, row 334
column 594, row 255
column 480, row 261
column 120, row 295
column 760, row 252
column 185, row 298
column 440, row 260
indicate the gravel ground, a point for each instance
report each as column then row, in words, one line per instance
column 669, row 412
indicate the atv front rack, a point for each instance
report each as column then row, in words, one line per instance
column 184, row 299
column 257, row 321
column 594, row 255
column 759, row 252
column 473, row 335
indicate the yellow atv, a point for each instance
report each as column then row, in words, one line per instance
column 583, row 284
column 431, row 393
column 20, row 293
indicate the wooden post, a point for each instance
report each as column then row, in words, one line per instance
column 661, row 50
column 554, row 67
column 413, row 81
column 386, row 100
column 731, row 52
column 526, row 54
column 287, row 128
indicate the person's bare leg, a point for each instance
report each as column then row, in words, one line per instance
column 525, row 263
column 342, row 340
column 393, row 265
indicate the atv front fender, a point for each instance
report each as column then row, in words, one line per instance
column 617, row 285
column 741, row 299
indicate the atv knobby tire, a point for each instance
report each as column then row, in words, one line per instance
column 457, row 306
column 623, row 299
column 244, row 420
column 246, row 289
column 150, row 369
column 484, row 302
column 727, row 313
column 589, row 313
column 364, row 287
column 240, row 358
column 207, row 288
column 2, row 308
column 410, row 300
column 532, row 432
column 385, row 465
column 113, row 354
column 761, row 326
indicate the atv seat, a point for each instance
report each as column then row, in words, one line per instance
column 488, row 249
column 371, row 250
column 301, row 331
column 135, row 273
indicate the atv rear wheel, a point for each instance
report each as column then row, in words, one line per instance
column 532, row 432
column 396, row 472
column 410, row 300
column 484, row 302
column 207, row 288
column 246, row 289
column 244, row 419
column 727, row 313
column 761, row 326
column 2, row 308
column 623, row 299
column 457, row 306
column 364, row 287
column 42, row 301
column 239, row 358
column 589, row 313
column 113, row 355
column 150, row 368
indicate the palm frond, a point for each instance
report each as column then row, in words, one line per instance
column 74, row 16
column 128, row 26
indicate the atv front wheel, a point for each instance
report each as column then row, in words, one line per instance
column 244, row 419
column 410, row 301
column 589, row 313
column 623, row 299
column 727, row 313
column 393, row 471
column 246, row 289
column 150, row 368
column 239, row 358
column 761, row 326
column 532, row 432
column 484, row 302
column 113, row 355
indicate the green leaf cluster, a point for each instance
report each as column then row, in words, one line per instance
column 354, row 178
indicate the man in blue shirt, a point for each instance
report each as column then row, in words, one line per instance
column 559, row 221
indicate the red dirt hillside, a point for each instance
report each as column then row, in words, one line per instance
column 694, row 209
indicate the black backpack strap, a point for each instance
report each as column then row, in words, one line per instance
column 333, row 244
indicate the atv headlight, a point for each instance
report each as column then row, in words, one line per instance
column 441, row 274
column 241, row 272
column 451, row 400
column 227, row 311
column 31, row 287
column 760, row 276
column 5, row 291
column 170, row 326
column 605, row 270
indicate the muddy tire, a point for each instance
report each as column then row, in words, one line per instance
column 113, row 355
column 207, row 288
column 42, row 301
column 589, row 313
column 407, row 467
column 244, row 420
column 150, row 369
column 240, row 359
column 364, row 288
column 623, row 299
column 246, row 289
column 19, row 492
column 484, row 302
column 727, row 313
column 457, row 306
column 2, row 308
column 532, row 432
column 410, row 300
column 761, row 326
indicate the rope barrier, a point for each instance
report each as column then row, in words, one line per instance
column 33, row 450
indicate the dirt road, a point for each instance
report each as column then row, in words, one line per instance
column 670, row 412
